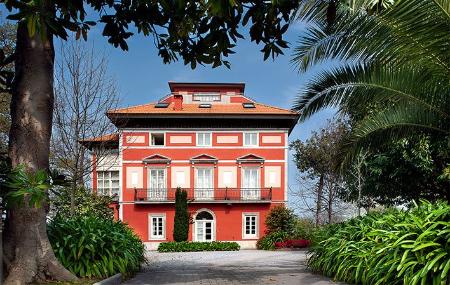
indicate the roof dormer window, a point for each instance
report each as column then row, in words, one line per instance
column 206, row 97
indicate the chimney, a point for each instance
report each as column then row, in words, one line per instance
column 178, row 102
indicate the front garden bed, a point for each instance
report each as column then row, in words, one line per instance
column 185, row 246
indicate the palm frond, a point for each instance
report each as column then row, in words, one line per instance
column 392, row 123
column 353, row 84
column 398, row 59
column 410, row 30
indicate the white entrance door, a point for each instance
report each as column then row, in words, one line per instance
column 250, row 184
column 204, row 185
column 204, row 230
column 157, row 184
column 204, row 227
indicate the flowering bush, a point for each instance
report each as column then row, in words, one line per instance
column 293, row 243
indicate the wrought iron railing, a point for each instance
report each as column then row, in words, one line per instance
column 204, row 194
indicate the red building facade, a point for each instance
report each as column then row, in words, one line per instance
column 226, row 150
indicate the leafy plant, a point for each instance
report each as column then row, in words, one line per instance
column 280, row 219
column 90, row 246
column 20, row 185
column 197, row 246
column 394, row 247
column 267, row 242
column 181, row 219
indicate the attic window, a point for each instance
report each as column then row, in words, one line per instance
column 161, row 105
column 204, row 105
column 206, row 97
column 248, row 105
column 157, row 139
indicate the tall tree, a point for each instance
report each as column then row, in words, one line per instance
column 316, row 160
column 197, row 31
column 181, row 218
column 400, row 172
column 397, row 57
column 83, row 93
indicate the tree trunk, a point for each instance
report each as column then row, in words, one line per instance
column 330, row 203
column 319, row 200
column 28, row 254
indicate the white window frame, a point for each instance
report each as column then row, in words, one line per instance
column 258, row 177
column 157, row 193
column 206, row 193
column 203, row 168
column 244, row 226
column 248, row 133
column 150, row 228
column 157, row 133
column 204, row 133
column 149, row 170
column 101, row 189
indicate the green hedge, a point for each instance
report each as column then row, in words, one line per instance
column 395, row 247
column 197, row 246
column 91, row 246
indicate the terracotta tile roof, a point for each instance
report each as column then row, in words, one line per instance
column 106, row 138
column 105, row 141
column 230, row 108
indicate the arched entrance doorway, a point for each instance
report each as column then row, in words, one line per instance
column 204, row 226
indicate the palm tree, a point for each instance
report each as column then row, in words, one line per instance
column 396, row 58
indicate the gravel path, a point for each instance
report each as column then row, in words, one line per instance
column 238, row 267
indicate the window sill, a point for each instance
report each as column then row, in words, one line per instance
column 158, row 239
column 250, row 238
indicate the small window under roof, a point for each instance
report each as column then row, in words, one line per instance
column 161, row 105
column 248, row 105
column 204, row 105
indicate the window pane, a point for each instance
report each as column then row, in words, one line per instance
column 204, row 139
column 157, row 227
column 250, row 225
column 250, row 139
column 157, row 139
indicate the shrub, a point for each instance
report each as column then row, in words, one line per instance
column 181, row 219
column 91, row 246
column 86, row 203
column 197, row 246
column 280, row 219
column 303, row 229
column 268, row 241
column 395, row 247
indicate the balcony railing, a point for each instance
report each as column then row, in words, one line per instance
column 205, row 195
